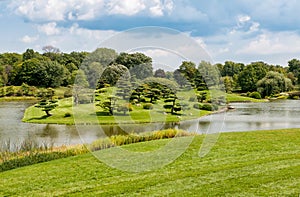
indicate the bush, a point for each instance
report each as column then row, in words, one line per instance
column 148, row 106
column 67, row 115
column 68, row 93
column 255, row 95
column 10, row 91
column 197, row 105
column 205, row 106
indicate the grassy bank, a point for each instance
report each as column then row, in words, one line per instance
column 264, row 163
column 29, row 152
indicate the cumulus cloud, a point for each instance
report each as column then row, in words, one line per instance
column 49, row 29
column 125, row 7
column 273, row 43
column 29, row 39
column 159, row 8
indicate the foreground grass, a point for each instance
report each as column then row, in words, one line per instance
column 29, row 153
column 264, row 163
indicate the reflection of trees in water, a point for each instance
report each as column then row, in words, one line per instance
column 49, row 131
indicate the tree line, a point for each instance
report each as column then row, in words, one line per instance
column 105, row 66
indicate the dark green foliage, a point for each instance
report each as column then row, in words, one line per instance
column 109, row 104
column 189, row 71
column 274, row 83
column 67, row 115
column 41, row 73
column 205, row 106
column 252, row 73
column 68, row 93
column 112, row 74
column 153, row 94
column 202, row 96
column 160, row 73
column 148, row 106
column 255, row 95
column 180, row 78
column 10, row 91
column 131, row 60
column 171, row 104
column 47, row 105
column 294, row 67
column 231, row 68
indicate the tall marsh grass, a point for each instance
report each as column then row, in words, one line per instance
column 119, row 140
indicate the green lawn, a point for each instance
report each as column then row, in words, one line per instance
column 91, row 114
column 264, row 163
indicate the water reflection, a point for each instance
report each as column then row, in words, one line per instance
column 246, row 117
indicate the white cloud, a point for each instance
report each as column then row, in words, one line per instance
column 49, row 29
column 57, row 10
column 28, row 39
column 159, row 8
column 157, row 53
column 243, row 18
column 125, row 7
column 273, row 43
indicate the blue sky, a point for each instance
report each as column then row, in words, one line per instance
column 238, row 30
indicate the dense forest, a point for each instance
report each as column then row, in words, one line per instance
column 105, row 66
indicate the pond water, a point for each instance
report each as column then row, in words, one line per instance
column 245, row 117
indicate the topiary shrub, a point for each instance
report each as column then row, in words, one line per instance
column 255, row 95
column 67, row 115
column 197, row 105
column 148, row 106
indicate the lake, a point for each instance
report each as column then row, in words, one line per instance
column 245, row 117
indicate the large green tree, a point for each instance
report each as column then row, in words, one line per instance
column 251, row 74
column 112, row 74
column 138, row 64
column 189, row 70
column 274, row 83
column 95, row 62
column 294, row 67
column 37, row 72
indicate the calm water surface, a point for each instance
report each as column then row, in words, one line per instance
column 245, row 117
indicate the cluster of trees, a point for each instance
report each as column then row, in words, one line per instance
column 105, row 66
column 258, row 76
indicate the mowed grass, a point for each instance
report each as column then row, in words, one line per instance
column 262, row 163
column 91, row 114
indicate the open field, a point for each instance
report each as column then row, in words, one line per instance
column 262, row 163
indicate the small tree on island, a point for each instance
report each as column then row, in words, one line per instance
column 47, row 103
column 47, row 106
column 109, row 104
column 171, row 104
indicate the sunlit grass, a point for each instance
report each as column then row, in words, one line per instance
column 263, row 163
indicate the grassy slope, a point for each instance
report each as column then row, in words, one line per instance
column 240, row 164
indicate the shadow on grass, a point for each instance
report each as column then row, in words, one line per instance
column 102, row 113
column 39, row 118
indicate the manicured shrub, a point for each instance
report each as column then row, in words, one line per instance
column 255, row 95
column 206, row 106
column 68, row 93
column 67, row 115
column 148, row 106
